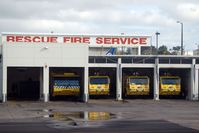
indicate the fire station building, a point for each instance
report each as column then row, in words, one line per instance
column 39, row 66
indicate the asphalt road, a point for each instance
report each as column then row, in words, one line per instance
column 133, row 116
column 153, row 126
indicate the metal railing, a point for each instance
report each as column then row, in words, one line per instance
column 144, row 59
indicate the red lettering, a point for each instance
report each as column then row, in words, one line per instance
column 19, row 38
column 42, row 39
column 79, row 39
column 107, row 40
column 116, row 40
column 10, row 39
column 143, row 40
column 134, row 40
column 123, row 40
column 86, row 40
column 76, row 40
column 53, row 39
column 99, row 40
column 66, row 39
column 45, row 39
column 36, row 39
column 27, row 39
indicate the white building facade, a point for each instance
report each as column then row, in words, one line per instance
column 42, row 53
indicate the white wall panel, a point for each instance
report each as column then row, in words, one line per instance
column 1, row 83
column 59, row 55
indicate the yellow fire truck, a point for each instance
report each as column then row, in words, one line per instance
column 170, row 85
column 91, row 116
column 137, row 85
column 99, row 85
column 98, row 115
column 65, row 84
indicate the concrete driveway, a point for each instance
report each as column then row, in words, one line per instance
column 100, row 116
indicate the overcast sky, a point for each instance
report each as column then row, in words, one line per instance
column 131, row 17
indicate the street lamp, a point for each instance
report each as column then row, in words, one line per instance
column 157, row 33
column 181, row 36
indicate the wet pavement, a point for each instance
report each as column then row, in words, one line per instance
column 142, row 126
column 136, row 116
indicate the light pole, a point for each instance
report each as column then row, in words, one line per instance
column 157, row 33
column 181, row 36
column 196, row 52
column 156, row 71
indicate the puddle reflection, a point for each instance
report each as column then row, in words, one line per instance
column 88, row 116
column 99, row 115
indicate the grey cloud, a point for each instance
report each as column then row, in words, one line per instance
column 103, row 16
